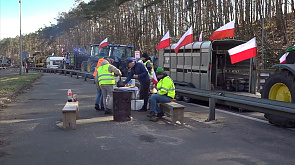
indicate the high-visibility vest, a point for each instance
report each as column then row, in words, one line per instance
column 166, row 87
column 152, row 70
column 98, row 65
column 104, row 76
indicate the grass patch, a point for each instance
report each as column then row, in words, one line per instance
column 11, row 83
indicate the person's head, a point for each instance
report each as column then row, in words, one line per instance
column 160, row 72
column 144, row 56
column 131, row 62
column 112, row 59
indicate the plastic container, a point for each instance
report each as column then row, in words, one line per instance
column 136, row 104
column 70, row 95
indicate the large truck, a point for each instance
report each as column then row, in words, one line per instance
column 120, row 52
column 5, row 61
column 207, row 66
column 54, row 62
column 73, row 60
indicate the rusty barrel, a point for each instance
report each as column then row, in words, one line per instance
column 122, row 105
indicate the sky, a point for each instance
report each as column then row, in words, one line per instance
column 35, row 15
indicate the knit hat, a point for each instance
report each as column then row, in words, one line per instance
column 160, row 70
column 145, row 55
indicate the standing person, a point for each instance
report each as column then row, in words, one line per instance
column 148, row 63
column 140, row 72
column 166, row 92
column 106, row 80
column 98, row 99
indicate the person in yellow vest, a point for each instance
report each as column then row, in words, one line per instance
column 166, row 93
column 98, row 99
column 106, row 80
column 148, row 63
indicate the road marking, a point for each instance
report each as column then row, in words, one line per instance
column 231, row 113
column 235, row 114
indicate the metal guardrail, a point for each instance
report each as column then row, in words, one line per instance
column 78, row 73
column 214, row 97
column 250, row 103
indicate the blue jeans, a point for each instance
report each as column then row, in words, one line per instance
column 98, row 98
column 156, row 98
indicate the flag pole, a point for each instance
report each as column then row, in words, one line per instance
column 170, row 63
column 183, row 62
column 192, row 62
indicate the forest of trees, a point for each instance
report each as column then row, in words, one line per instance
column 143, row 23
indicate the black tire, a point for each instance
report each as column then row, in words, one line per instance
column 178, row 97
column 186, row 99
column 84, row 66
column 287, row 78
column 91, row 64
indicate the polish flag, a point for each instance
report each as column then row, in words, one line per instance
column 283, row 59
column 165, row 41
column 228, row 30
column 187, row 38
column 201, row 37
column 103, row 43
column 244, row 51
column 62, row 51
column 155, row 80
column 53, row 54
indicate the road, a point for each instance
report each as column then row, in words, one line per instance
column 31, row 133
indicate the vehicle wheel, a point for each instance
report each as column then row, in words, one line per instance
column 281, row 87
column 84, row 66
column 186, row 99
column 178, row 97
column 91, row 64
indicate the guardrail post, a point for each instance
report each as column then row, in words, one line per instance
column 85, row 77
column 212, row 104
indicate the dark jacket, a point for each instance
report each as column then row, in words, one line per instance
column 141, row 71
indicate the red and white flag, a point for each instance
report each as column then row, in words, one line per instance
column 155, row 80
column 187, row 38
column 283, row 59
column 244, row 51
column 53, row 54
column 62, row 51
column 228, row 30
column 103, row 43
column 201, row 37
column 165, row 41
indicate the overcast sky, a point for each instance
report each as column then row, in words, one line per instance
column 35, row 15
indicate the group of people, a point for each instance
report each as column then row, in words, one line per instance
column 143, row 71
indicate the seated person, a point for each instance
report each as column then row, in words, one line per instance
column 166, row 92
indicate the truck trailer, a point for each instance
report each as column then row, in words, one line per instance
column 207, row 66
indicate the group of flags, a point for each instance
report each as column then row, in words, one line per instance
column 237, row 54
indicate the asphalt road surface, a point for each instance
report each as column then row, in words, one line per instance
column 31, row 133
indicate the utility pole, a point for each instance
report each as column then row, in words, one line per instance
column 263, row 60
column 20, row 38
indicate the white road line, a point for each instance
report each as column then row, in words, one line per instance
column 235, row 114
column 231, row 113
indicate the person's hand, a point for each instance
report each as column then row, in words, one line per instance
column 135, row 76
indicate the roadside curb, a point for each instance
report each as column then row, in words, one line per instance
column 5, row 100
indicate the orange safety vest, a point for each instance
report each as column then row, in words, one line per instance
column 98, row 65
